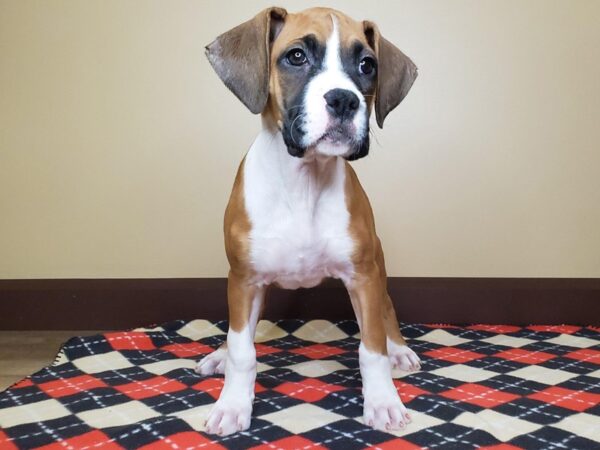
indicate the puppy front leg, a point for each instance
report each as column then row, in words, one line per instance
column 233, row 409
column 400, row 355
column 382, row 407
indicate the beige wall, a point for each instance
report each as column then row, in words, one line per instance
column 118, row 145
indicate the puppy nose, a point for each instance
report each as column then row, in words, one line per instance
column 342, row 103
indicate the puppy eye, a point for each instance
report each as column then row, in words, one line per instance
column 296, row 57
column 367, row 65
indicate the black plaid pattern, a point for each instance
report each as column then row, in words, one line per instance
column 481, row 386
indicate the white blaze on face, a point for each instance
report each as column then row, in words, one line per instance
column 317, row 120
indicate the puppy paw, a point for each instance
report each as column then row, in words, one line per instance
column 386, row 413
column 402, row 357
column 212, row 363
column 229, row 416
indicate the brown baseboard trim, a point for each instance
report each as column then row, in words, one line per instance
column 79, row 304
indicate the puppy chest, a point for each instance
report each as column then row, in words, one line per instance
column 299, row 221
column 299, row 251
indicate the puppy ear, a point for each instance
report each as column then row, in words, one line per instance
column 395, row 72
column 241, row 57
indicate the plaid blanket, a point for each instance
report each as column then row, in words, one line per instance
column 481, row 386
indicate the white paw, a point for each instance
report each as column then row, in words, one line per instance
column 385, row 413
column 402, row 357
column 229, row 416
column 212, row 363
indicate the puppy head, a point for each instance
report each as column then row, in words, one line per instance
column 316, row 74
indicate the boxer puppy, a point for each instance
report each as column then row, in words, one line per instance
column 297, row 213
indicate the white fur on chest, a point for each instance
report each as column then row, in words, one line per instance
column 297, row 210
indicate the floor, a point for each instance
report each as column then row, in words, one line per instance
column 25, row 352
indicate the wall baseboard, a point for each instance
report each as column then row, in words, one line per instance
column 78, row 304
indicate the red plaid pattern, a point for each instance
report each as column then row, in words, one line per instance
column 479, row 395
column 525, row 356
column 496, row 387
column 70, row 386
column 318, row 351
column 133, row 340
column 453, row 354
column 567, row 398
column 185, row 440
column 150, row 388
column 91, row 440
column 188, row 349
column 310, row 390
